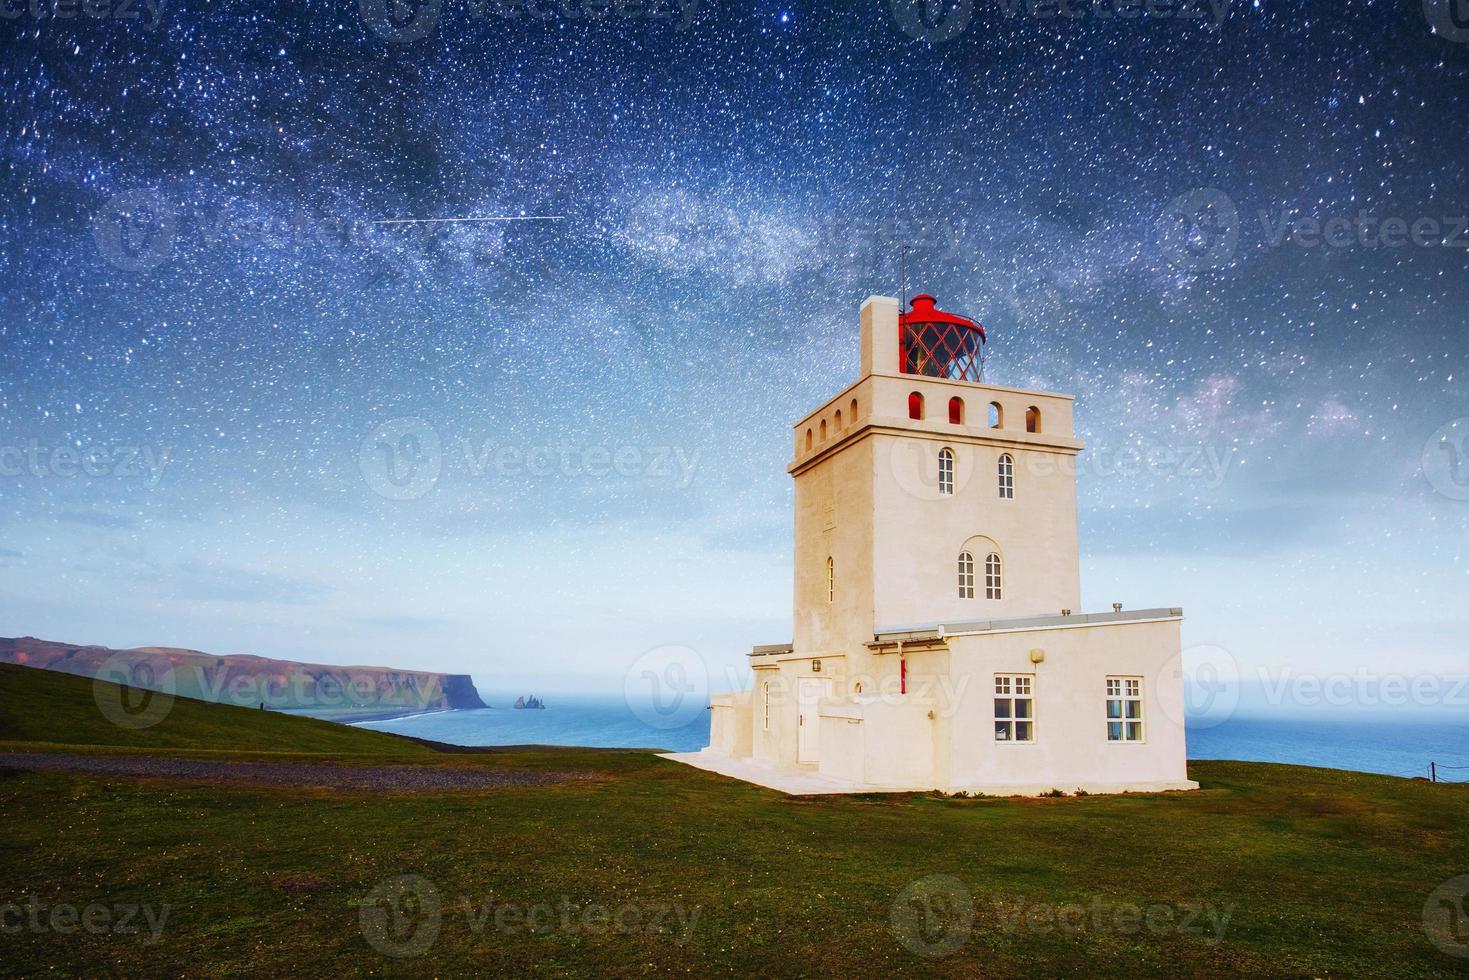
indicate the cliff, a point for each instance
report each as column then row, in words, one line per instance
column 322, row 690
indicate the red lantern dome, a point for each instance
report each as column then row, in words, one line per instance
column 938, row 344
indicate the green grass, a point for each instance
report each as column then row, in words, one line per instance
column 47, row 706
column 1321, row 873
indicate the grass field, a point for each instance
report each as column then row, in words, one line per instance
column 652, row 867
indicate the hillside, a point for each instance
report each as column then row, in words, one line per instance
column 49, row 706
column 340, row 693
column 607, row 863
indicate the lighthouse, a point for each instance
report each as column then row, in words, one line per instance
column 938, row 640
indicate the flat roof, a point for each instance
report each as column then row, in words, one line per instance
column 769, row 648
column 929, row 631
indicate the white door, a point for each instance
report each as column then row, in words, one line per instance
column 809, row 691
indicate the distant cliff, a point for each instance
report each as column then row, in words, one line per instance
column 341, row 693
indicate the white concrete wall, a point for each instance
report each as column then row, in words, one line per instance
column 1071, row 749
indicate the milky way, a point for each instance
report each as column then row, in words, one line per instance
column 242, row 411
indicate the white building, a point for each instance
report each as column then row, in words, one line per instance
column 938, row 642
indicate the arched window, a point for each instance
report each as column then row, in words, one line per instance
column 956, row 411
column 997, row 416
column 946, row 471
column 853, row 407
column 765, row 700
column 823, row 430
column 831, row 579
column 915, row 405
column 992, row 576
column 1007, row 476
column 839, row 420
column 808, row 440
column 1032, row 419
column 966, row 575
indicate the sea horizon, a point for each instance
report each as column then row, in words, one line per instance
column 1385, row 743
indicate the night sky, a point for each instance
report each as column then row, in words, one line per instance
column 241, row 413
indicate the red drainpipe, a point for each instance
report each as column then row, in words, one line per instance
column 902, row 676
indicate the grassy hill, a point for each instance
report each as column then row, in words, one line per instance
column 47, row 706
column 1268, row 870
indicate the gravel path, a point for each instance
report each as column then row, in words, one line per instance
column 290, row 774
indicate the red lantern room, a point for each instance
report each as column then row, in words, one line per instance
column 938, row 344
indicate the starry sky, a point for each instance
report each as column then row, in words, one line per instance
column 247, row 405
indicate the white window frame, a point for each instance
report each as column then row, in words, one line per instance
column 946, row 472
column 831, row 578
column 1129, row 723
column 966, row 575
column 1007, row 476
column 994, row 576
column 765, row 691
column 1011, row 692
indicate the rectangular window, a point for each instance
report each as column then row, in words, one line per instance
column 1124, row 709
column 1014, row 708
column 766, row 692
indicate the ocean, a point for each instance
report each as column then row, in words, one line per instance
column 1397, row 746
